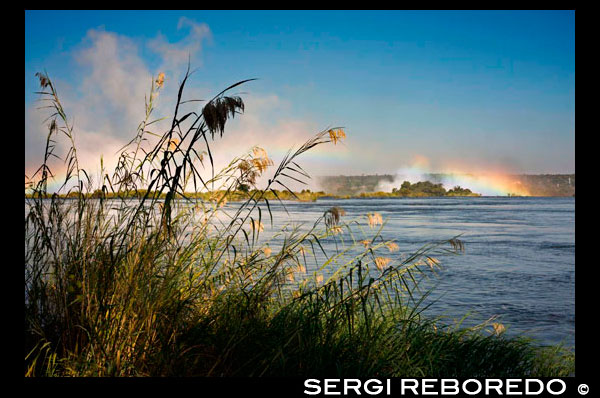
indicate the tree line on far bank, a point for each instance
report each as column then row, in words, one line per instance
column 419, row 189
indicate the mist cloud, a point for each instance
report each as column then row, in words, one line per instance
column 107, row 104
column 189, row 48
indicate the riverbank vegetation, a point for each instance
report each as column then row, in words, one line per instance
column 156, row 282
column 548, row 185
column 407, row 190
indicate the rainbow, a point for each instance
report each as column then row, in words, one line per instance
column 487, row 184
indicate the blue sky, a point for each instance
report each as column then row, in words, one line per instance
column 468, row 90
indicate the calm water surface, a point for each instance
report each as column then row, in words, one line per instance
column 519, row 260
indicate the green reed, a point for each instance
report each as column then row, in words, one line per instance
column 142, row 279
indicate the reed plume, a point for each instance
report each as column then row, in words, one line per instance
column 153, row 281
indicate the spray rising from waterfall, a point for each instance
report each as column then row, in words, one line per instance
column 496, row 183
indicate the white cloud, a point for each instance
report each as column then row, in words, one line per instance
column 107, row 104
column 112, row 92
column 175, row 55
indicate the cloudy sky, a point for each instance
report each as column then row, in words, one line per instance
column 454, row 90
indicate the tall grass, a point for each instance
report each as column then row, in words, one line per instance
column 137, row 285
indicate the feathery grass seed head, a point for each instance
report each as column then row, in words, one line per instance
column 498, row 328
column 267, row 251
column 336, row 135
column 333, row 215
column 366, row 243
column 392, row 246
column 160, row 80
column 173, row 142
column 382, row 262
column 374, row 219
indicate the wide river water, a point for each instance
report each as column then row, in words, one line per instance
column 518, row 264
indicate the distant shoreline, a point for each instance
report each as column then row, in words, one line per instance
column 336, row 197
column 351, row 190
column 542, row 185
